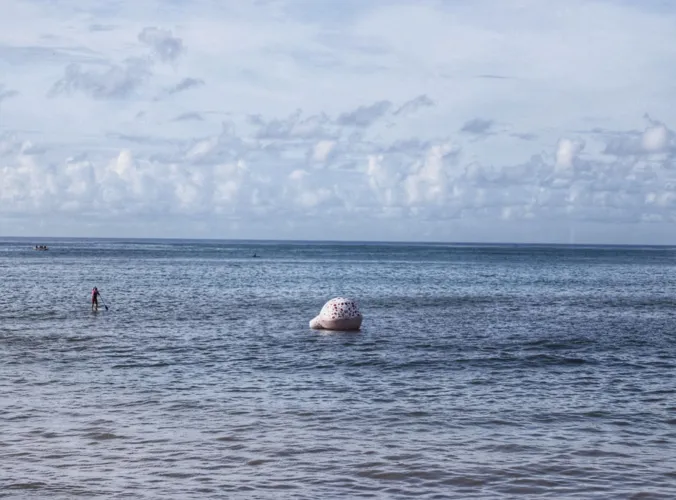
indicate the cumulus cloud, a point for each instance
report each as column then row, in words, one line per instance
column 385, row 180
column 403, row 146
column 225, row 147
column 298, row 175
column 422, row 101
column 524, row 136
column 567, row 150
column 185, row 84
column 166, row 46
column 322, row 150
column 478, row 126
column 306, row 194
column 428, row 181
column 225, row 174
column 623, row 144
column 122, row 186
column 106, row 80
column 113, row 82
column 417, row 179
column 656, row 138
column 365, row 116
column 294, row 126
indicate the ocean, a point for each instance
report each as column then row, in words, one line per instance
column 481, row 371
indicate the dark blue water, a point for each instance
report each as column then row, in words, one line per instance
column 480, row 372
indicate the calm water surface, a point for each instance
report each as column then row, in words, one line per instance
column 480, row 372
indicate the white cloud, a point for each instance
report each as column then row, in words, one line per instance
column 477, row 126
column 298, row 175
column 567, row 150
column 428, row 181
column 114, row 82
column 165, row 46
column 418, row 181
column 384, row 181
column 322, row 150
column 655, row 138
column 365, row 116
column 310, row 199
column 202, row 148
column 412, row 106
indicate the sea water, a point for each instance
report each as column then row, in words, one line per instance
column 499, row 371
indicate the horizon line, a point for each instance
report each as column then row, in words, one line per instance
column 327, row 241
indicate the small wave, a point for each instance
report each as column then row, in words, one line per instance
column 228, row 439
column 407, row 475
column 102, row 436
column 600, row 453
column 35, row 485
column 177, row 475
column 597, row 414
column 142, row 365
column 257, row 461
column 465, row 481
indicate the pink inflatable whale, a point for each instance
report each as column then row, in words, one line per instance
column 338, row 314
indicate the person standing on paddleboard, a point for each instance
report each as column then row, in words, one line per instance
column 95, row 299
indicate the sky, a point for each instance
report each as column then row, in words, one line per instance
column 422, row 120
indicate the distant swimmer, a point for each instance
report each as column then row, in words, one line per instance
column 95, row 299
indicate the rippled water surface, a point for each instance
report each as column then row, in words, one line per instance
column 480, row 372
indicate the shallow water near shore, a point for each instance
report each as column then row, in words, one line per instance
column 480, row 371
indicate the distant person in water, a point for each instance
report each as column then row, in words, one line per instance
column 95, row 299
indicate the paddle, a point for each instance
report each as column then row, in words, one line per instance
column 104, row 302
